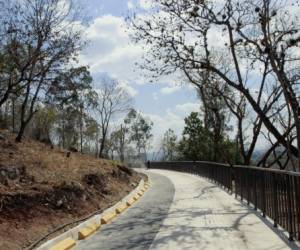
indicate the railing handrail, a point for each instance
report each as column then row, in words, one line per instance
column 279, row 171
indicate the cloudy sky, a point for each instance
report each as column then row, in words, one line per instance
column 110, row 52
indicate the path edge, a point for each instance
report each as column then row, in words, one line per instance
column 72, row 234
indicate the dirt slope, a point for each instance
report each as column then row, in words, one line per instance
column 41, row 188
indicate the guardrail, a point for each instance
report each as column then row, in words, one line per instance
column 275, row 193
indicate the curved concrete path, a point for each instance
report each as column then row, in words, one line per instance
column 182, row 211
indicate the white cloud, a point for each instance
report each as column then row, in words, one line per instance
column 169, row 90
column 130, row 5
column 188, row 107
column 215, row 37
column 162, row 123
column 110, row 49
column 63, row 6
column 173, row 119
column 131, row 90
column 145, row 4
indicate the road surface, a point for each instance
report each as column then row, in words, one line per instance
column 180, row 212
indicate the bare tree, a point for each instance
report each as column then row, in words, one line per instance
column 112, row 99
column 279, row 44
column 255, row 36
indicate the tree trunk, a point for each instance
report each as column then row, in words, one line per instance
column 4, row 97
column 81, row 129
column 122, row 158
column 297, row 121
column 102, row 144
column 63, row 133
column 21, row 132
column 13, row 116
column 6, row 120
column 97, row 143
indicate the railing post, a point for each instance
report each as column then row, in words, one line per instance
column 248, row 185
column 263, row 194
column 236, row 173
column 241, row 185
column 275, row 199
column 255, row 190
column 290, row 215
column 297, row 209
column 230, row 178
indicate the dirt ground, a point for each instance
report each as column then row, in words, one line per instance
column 41, row 188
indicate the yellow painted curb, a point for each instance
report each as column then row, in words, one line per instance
column 66, row 244
column 130, row 201
column 121, row 208
column 136, row 197
column 108, row 217
column 87, row 231
column 140, row 193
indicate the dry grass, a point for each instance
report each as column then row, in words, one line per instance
column 50, row 165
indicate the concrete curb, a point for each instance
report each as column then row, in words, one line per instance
column 130, row 201
column 107, row 217
column 66, row 244
column 68, row 239
column 87, row 231
column 122, row 208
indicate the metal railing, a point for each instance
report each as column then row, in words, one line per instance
column 275, row 193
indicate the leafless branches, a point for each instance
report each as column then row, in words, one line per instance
column 247, row 46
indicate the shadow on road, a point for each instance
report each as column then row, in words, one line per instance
column 138, row 226
column 185, row 225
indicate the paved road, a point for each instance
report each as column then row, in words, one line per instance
column 181, row 212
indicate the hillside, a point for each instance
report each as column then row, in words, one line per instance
column 42, row 188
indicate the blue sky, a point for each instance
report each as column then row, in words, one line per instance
column 110, row 52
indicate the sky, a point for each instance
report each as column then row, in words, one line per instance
column 110, row 52
column 166, row 102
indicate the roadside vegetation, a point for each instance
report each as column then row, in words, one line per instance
column 197, row 143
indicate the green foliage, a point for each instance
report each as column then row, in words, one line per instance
column 43, row 123
column 70, row 86
column 195, row 143
column 169, row 145
column 119, row 141
column 139, row 129
column 91, row 128
column 231, row 153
